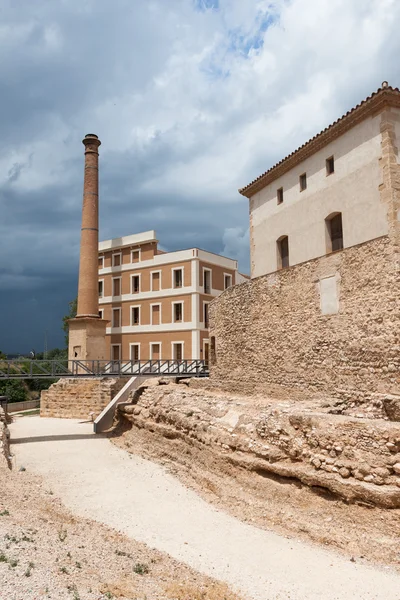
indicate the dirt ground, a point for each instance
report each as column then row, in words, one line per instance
column 45, row 552
column 362, row 532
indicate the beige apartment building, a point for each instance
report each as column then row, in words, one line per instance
column 157, row 302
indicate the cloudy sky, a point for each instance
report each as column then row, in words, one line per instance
column 191, row 99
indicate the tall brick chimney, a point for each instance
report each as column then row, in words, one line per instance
column 88, row 298
column 87, row 331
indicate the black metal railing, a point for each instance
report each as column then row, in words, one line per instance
column 37, row 369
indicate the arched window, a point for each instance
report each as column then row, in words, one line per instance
column 282, row 246
column 334, row 232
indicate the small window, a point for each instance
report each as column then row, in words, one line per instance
column 155, row 314
column 206, row 319
column 101, row 262
column 303, row 182
column 178, row 351
column 334, row 232
column 116, row 317
column 330, row 165
column 101, row 289
column 178, row 312
column 279, row 195
column 227, row 281
column 101, row 313
column 135, row 256
column 207, row 281
column 283, row 252
column 135, row 315
column 155, row 281
column 135, row 352
column 178, row 278
column 117, row 286
column 135, row 284
column 155, row 351
column 116, row 260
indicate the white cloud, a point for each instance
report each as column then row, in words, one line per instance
column 192, row 99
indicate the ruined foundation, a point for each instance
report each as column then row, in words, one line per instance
column 356, row 459
column 4, row 439
column 79, row 398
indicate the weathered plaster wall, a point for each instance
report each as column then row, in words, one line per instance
column 353, row 190
column 282, row 334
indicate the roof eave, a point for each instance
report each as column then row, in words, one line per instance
column 373, row 104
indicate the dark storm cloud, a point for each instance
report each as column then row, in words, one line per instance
column 190, row 99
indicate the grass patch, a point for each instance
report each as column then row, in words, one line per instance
column 5, row 513
column 141, row 569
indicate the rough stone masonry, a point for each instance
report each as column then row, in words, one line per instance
column 356, row 459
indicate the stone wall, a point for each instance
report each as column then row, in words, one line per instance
column 271, row 335
column 356, row 459
column 78, row 398
column 4, row 439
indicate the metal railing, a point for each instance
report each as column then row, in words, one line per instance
column 38, row 369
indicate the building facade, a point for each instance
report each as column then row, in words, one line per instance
column 321, row 312
column 157, row 302
column 323, row 197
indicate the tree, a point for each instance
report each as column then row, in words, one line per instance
column 71, row 315
column 14, row 389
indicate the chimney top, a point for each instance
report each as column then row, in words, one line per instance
column 90, row 140
column 385, row 84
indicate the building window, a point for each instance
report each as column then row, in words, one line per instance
column 135, row 284
column 155, row 351
column 101, row 313
column 330, row 165
column 116, row 352
column 177, row 351
column 135, row 256
column 303, row 182
column 283, row 252
column 334, row 231
column 279, row 195
column 135, row 352
column 227, row 281
column 206, row 320
column 207, row 281
column 101, row 262
column 178, row 312
column 116, row 260
column 116, row 317
column 155, row 314
column 155, row 281
column 178, row 278
column 135, row 315
column 101, row 288
column 116, row 286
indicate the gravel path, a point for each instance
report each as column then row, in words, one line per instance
column 96, row 479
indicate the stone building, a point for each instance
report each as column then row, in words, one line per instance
column 321, row 313
column 156, row 302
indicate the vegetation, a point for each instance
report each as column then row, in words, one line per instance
column 21, row 390
column 73, row 305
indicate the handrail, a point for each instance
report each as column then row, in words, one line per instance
column 54, row 369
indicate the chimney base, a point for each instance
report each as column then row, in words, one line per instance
column 87, row 339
